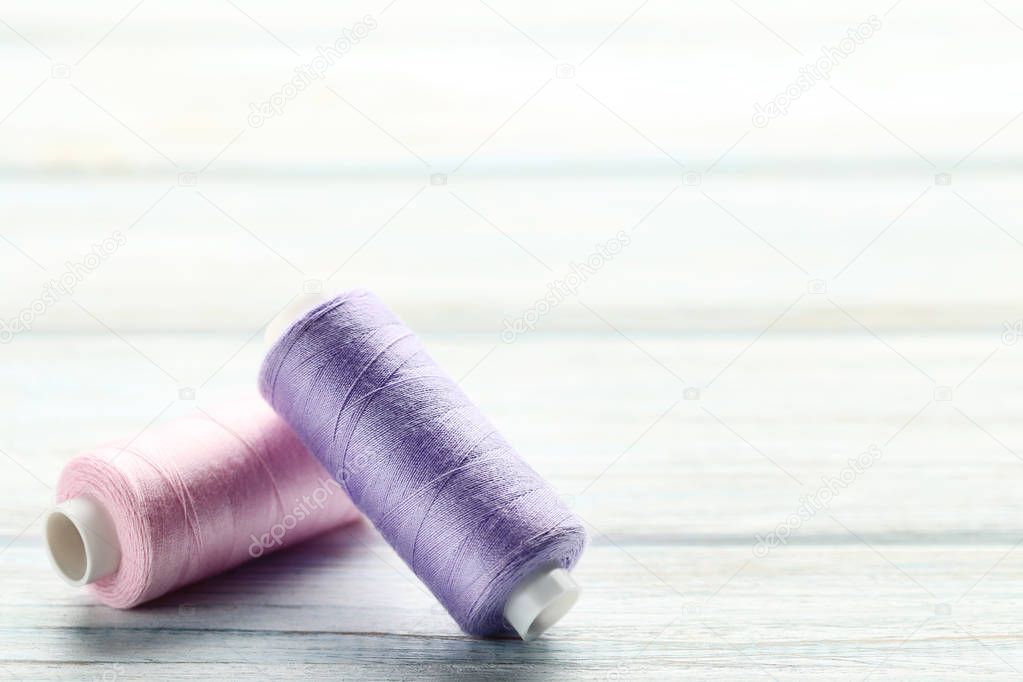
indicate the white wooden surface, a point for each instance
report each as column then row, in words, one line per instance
column 791, row 296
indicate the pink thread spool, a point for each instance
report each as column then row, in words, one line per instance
column 186, row 500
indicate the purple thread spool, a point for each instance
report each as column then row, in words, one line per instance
column 485, row 533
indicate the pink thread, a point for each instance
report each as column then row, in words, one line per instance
column 201, row 494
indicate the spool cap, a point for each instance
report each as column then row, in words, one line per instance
column 540, row 601
column 81, row 541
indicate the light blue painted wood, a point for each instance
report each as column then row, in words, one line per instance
column 791, row 296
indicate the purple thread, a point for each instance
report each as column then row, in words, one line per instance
column 420, row 460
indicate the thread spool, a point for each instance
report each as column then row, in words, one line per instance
column 478, row 526
column 185, row 500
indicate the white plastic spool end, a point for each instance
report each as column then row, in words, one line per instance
column 81, row 541
column 540, row 601
column 302, row 304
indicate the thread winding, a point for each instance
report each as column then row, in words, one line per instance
column 420, row 460
column 201, row 494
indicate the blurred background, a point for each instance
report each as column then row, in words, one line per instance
column 736, row 244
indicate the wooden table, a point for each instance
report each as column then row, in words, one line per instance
column 842, row 283
column 911, row 567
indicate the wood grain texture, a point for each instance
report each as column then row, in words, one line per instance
column 441, row 79
column 908, row 573
column 344, row 606
column 843, row 280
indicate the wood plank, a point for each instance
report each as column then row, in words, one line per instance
column 685, row 75
column 331, row 604
column 601, row 419
column 731, row 254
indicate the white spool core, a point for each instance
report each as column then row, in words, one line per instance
column 302, row 304
column 81, row 541
column 540, row 601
